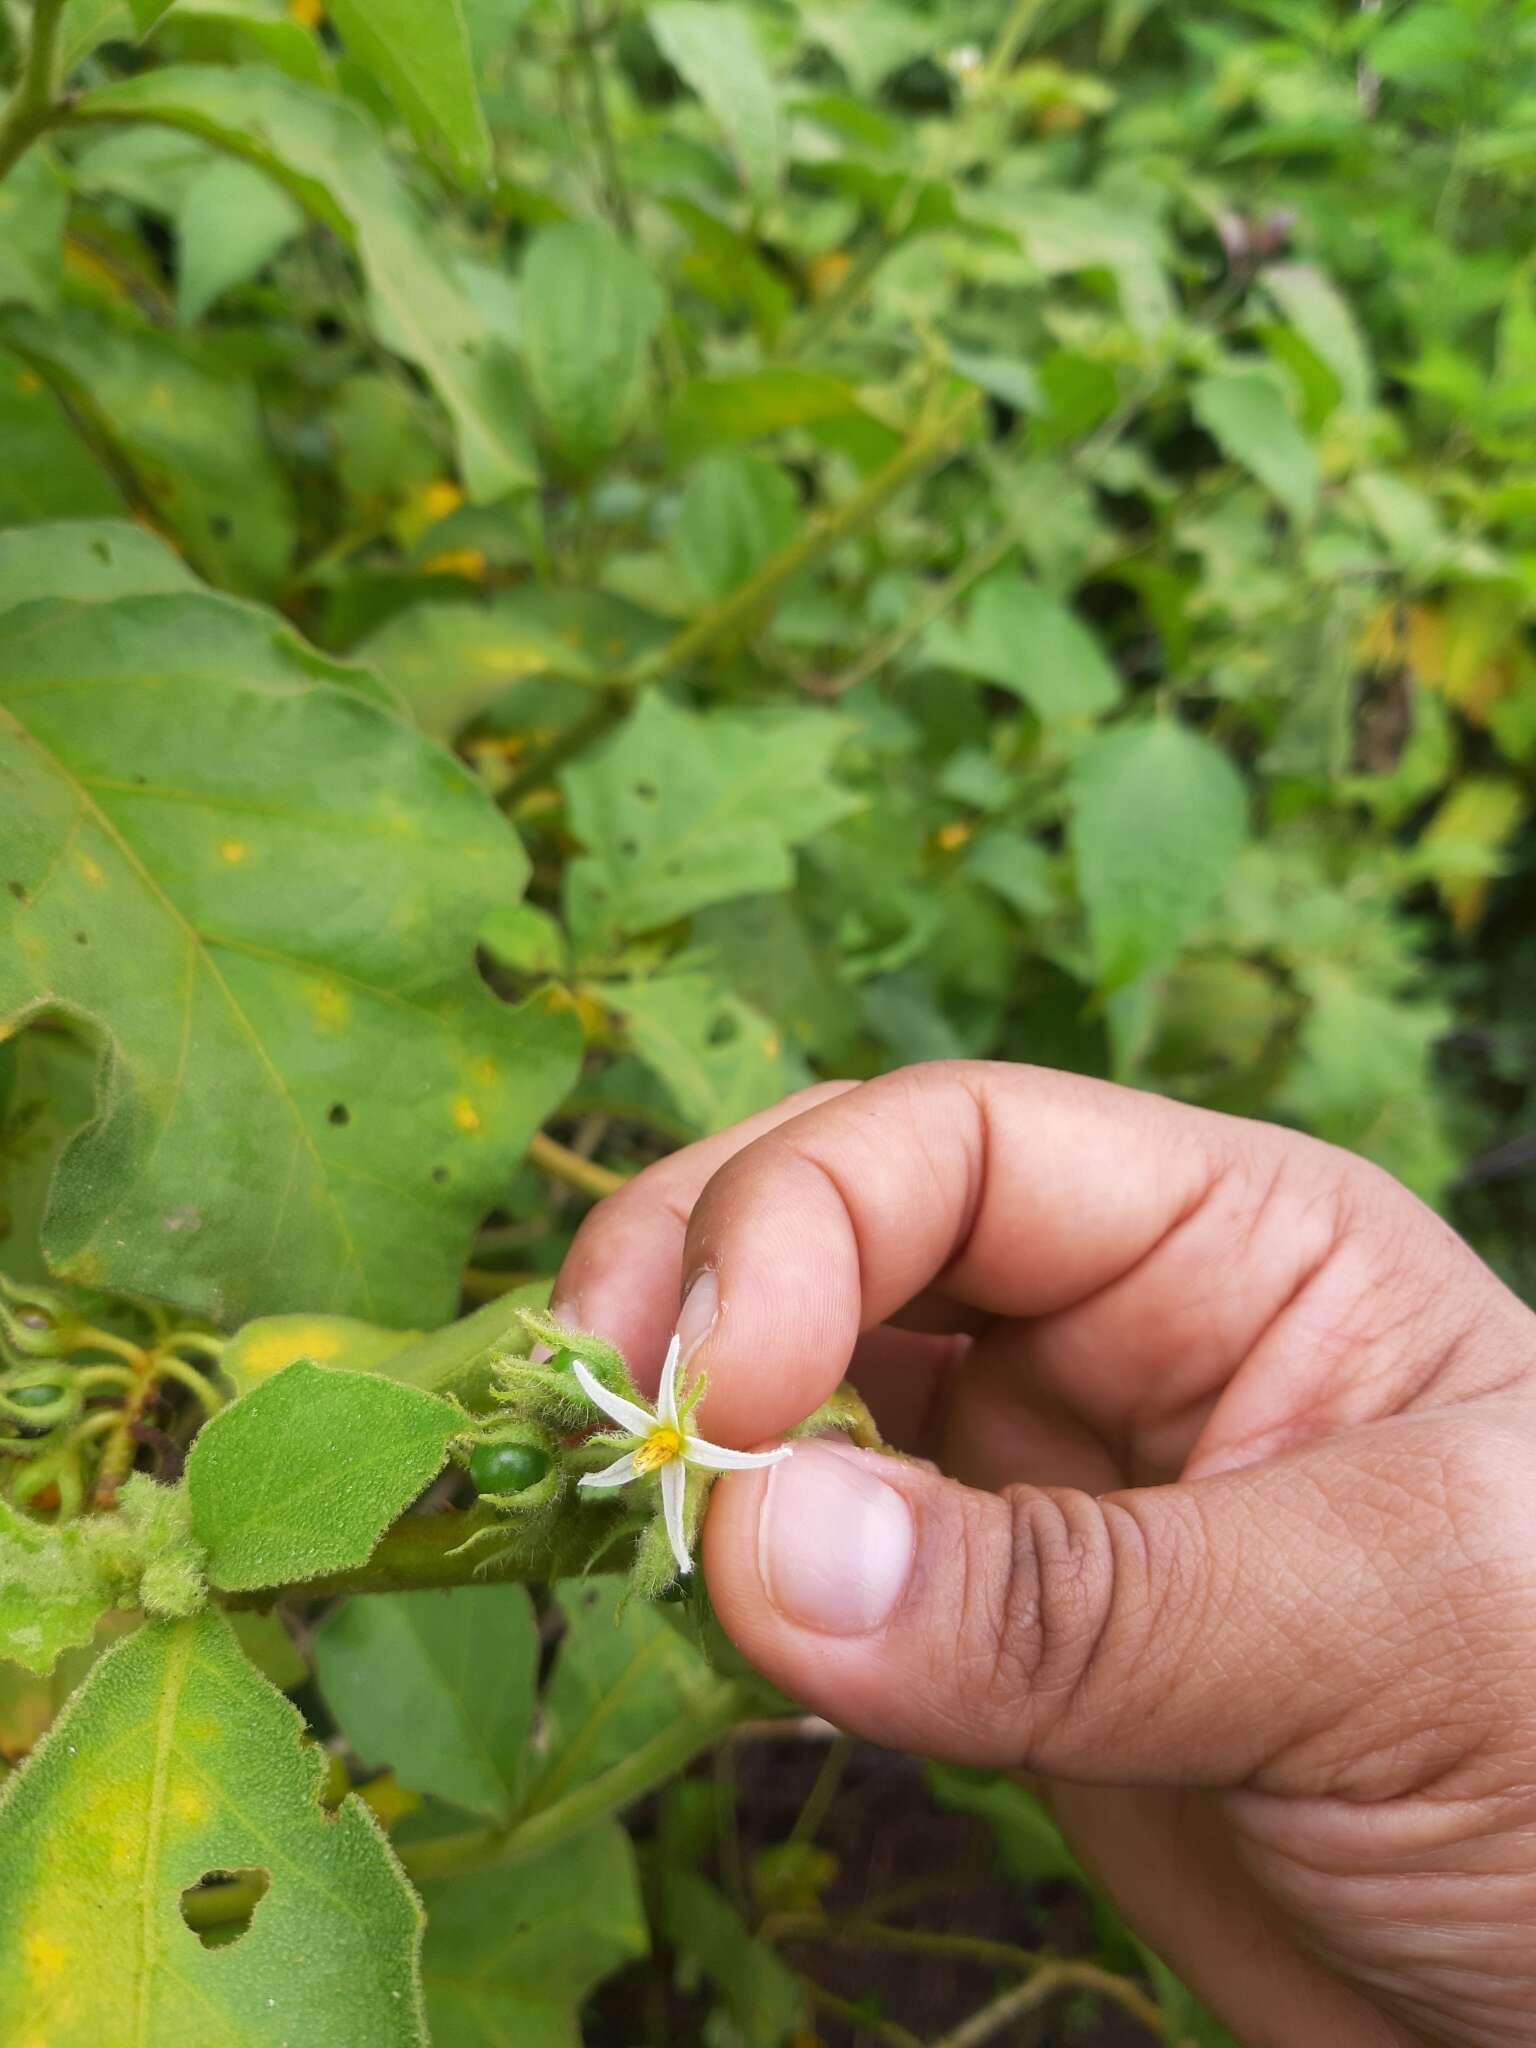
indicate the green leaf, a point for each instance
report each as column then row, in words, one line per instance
column 622, row 1675
column 192, row 437
column 176, row 1761
column 260, row 936
column 147, row 12
column 713, row 45
column 1158, row 816
column 1018, row 636
column 710, row 411
column 678, row 810
column 1313, row 305
column 720, row 1059
column 1245, row 413
column 419, row 52
column 303, row 1476
column 590, row 311
column 329, row 156
column 758, row 1991
column 450, row 662
column 1066, row 232
column 48, row 472
column 89, row 560
column 51, row 1591
column 230, row 223
column 1029, row 1843
column 34, row 203
column 736, row 510
column 440, row 1687
column 511, row 1954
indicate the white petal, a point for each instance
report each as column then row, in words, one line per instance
column 619, row 1473
column 666, row 1399
column 627, row 1414
column 716, row 1458
column 673, row 1481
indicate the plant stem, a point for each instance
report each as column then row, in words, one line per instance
column 822, row 1793
column 1046, row 1984
column 946, row 594
column 856, row 2017
column 584, row 43
column 928, row 445
column 877, row 1934
column 562, row 1164
column 33, row 106
column 427, row 1551
column 667, row 1753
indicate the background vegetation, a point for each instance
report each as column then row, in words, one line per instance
column 929, row 529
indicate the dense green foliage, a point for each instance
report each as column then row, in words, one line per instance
column 563, row 571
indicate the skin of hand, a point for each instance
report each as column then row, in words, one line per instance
column 1225, row 1531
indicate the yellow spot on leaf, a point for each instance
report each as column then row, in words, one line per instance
column 233, row 850
column 441, row 498
column 485, row 1070
column 306, row 13
column 189, row 1805
column 388, row 1799
column 29, row 383
column 329, row 1005
column 953, row 836
column 276, row 1348
column 46, row 1958
column 467, row 562
column 89, row 869
column 465, row 1114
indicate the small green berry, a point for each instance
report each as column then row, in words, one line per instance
column 37, row 1396
column 507, row 1467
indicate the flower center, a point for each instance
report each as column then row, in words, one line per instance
column 660, row 1448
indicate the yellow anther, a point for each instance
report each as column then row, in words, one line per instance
column 659, row 1448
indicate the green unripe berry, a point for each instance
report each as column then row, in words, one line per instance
column 37, row 1396
column 507, row 1467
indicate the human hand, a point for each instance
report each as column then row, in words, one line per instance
column 1236, row 1548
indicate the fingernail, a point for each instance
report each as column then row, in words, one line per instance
column 698, row 1317
column 834, row 1542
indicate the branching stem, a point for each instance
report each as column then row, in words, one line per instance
column 34, row 105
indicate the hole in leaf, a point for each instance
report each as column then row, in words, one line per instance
column 439, row 1175
column 220, row 1906
column 647, row 790
column 338, row 1113
column 629, row 848
column 723, row 1029
column 18, row 891
column 81, row 939
column 220, row 526
column 101, row 551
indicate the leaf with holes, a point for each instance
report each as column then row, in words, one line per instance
column 440, row 1687
column 258, row 893
column 511, row 1954
column 721, row 1059
column 679, row 810
column 175, row 1763
column 305, row 1474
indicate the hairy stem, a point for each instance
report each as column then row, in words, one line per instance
column 710, row 1716
column 428, row 1551
column 34, row 104
column 562, row 1164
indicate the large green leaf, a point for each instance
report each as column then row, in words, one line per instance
column 92, row 560
column 757, row 1989
column 303, row 1475
column 419, row 52
column 190, row 436
column 713, row 45
column 720, row 1059
column 623, row 1674
column 736, row 510
column 34, row 201
column 48, row 472
column 1021, row 638
column 439, row 1686
column 260, row 893
column 175, row 1762
column 230, row 223
column 1158, row 815
column 329, row 156
column 511, row 1954
column 590, row 310
column 678, row 810
column 1245, row 412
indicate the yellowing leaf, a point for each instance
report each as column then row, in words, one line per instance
column 1465, row 839
column 175, row 1762
column 267, row 937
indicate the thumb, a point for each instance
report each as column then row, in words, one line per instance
column 1249, row 1627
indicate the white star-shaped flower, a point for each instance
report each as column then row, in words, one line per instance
column 664, row 1444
